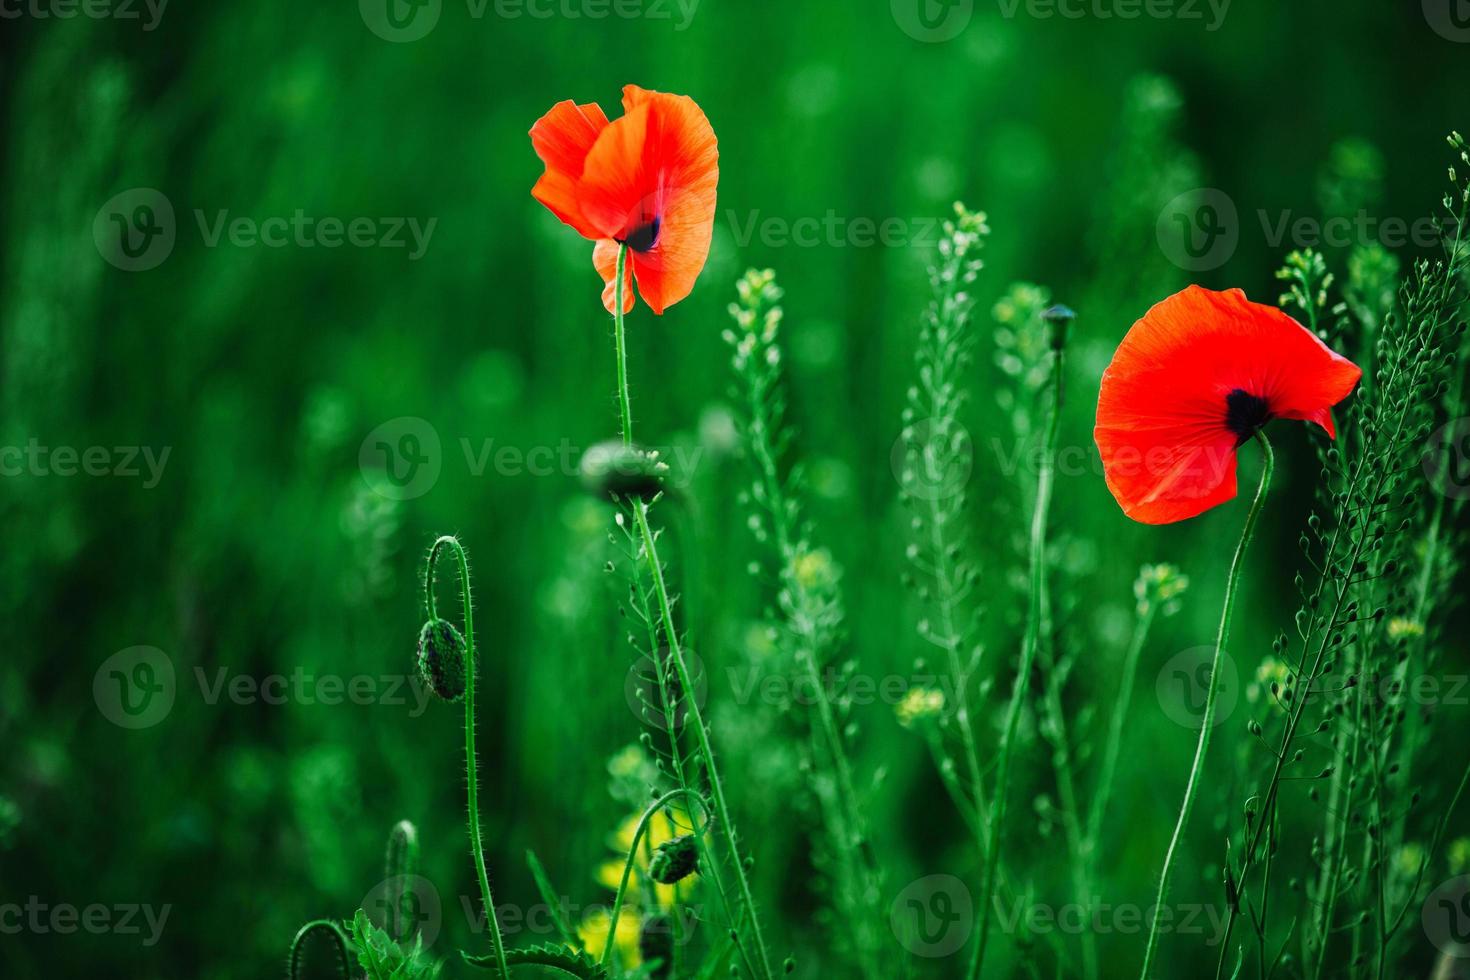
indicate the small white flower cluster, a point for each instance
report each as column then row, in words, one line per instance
column 758, row 330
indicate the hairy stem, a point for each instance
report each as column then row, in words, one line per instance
column 676, row 654
column 1207, row 720
column 472, row 778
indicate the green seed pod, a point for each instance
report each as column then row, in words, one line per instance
column 656, row 942
column 612, row 470
column 442, row 659
column 674, row 860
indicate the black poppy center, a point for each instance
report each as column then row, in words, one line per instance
column 643, row 237
column 1245, row 413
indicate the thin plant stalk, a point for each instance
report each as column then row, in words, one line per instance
column 676, row 653
column 472, row 779
column 1207, row 720
column 1028, row 657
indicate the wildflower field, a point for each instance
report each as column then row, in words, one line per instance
column 652, row 489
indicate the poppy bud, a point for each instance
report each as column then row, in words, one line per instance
column 674, row 860
column 1059, row 320
column 611, row 470
column 442, row 659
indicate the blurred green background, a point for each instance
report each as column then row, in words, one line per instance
column 263, row 548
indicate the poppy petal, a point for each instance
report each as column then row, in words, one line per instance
column 562, row 139
column 605, row 260
column 1165, row 427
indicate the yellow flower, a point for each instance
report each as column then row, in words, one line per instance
column 1399, row 627
column 918, row 705
column 661, row 827
column 596, row 926
column 627, row 762
column 814, row 568
column 1270, row 671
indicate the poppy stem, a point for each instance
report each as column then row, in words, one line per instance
column 1207, row 720
column 472, row 775
column 625, row 405
column 721, row 811
column 638, row 835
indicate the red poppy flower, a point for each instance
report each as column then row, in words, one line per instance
column 646, row 180
column 1192, row 381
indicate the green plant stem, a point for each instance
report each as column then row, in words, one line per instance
column 472, row 779
column 1108, row 771
column 1028, row 657
column 676, row 654
column 638, row 832
column 1207, row 720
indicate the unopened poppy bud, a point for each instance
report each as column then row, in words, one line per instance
column 442, row 659
column 674, row 860
column 1058, row 319
column 611, row 470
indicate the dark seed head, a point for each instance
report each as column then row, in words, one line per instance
column 611, row 470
